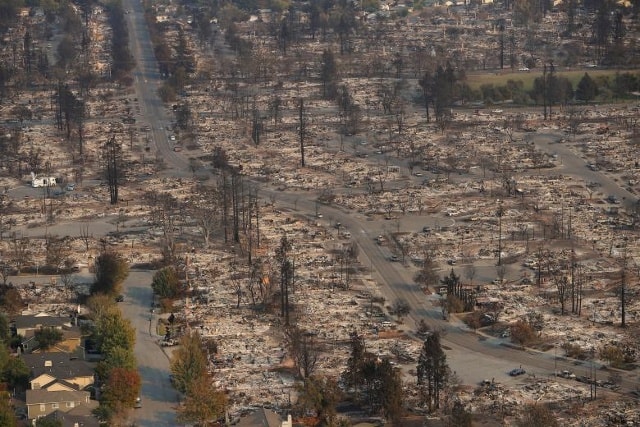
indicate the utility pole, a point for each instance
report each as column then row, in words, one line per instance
column 500, row 212
column 302, row 125
column 544, row 90
column 623, row 286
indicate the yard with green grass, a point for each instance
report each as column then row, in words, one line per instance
column 475, row 81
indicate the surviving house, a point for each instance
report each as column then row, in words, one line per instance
column 43, row 402
column 79, row 416
column 263, row 417
column 26, row 323
column 58, row 371
column 70, row 343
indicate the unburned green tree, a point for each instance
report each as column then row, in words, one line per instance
column 353, row 374
column 115, row 357
column 48, row 422
column 111, row 270
column 391, row 392
column 48, row 337
column 204, row 402
column 432, row 371
column 319, row 395
column 188, row 362
column 587, row 89
column 112, row 330
column 4, row 329
column 13, row 371
column 459, row 417
column 166, row 283
column 121, row 389
column 100, row 304
column 7, row 416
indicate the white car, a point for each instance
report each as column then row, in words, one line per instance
column 524, row 69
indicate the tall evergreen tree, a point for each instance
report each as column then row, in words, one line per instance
column 432, row 371
column 352, row 375
column 587, row 89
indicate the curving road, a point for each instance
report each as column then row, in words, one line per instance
column 471, row 354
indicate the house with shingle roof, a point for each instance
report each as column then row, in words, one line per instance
column 80, row 416
column 42, row 402
column 263, row 417
column 70, row 343
column 32, row 322
column 59, row 368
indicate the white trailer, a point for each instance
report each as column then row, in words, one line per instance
column 47, row 181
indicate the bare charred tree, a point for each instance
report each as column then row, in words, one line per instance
column 206, row 211
column 304, row 351
column 165, row 210
column 426, row 83
column 256, row 126
column 328, row 74
column 286, row 276
column 223, row 186
column 19, row 251
column 252, row 230
column 381, row 175
column 470, row 272
column 624, row 265
column 6, row 222
column 303, row 128
column 112, row 155
column 275, row 106
column 577, row 277
column 5, row 270
column 561, row 282
column 255, row 283
column 237, row 190
column 238, row 276
column 85, row 236
column 57, row 251
column 428, row 273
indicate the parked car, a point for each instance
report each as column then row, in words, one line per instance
column 568, row 374
column 613, row 199
column 120, row 298
column 138, row 403
column 517, row 372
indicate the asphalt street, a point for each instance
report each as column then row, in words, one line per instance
column 472, row 356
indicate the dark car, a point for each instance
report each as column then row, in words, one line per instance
column 517, row 372
column 120, row 298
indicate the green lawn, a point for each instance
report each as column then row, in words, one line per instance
column 500, row 79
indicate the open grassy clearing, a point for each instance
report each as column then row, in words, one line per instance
column 475, row 81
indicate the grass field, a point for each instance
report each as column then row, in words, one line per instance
column 527, row 77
